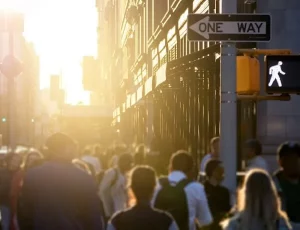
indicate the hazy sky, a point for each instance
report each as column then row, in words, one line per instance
column 63, row 31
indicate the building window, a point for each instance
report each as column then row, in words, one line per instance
column 162, row 52
column 172, row 44
column 173, row 53
column 183, row 19
column 144, row 72
column 202, row 7
column 155, row 64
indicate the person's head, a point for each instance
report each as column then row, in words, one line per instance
column 289, row 159
column 258, row 198
column 87, row 151
column 98, row 150
column 214, row 170
column 61, row 147
column 215, row 147
column 139, row 156
column 280, row 63
column 33, row 158
column 182, row 161
column 14, row 161
column 252, row 149
column 120, row 149
column 125, row 162
column 143, row 182
column 140, row 149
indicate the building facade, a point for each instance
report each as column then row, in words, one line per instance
column 167, row 89
column 28, row 102
column 280, row 121
column 11, row 21
column 102, row 96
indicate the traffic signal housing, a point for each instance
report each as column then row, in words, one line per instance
column 248, row 75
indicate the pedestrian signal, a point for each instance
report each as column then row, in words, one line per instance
column 282, row 74
column 248, row 75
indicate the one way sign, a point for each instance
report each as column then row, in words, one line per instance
column 229, row 27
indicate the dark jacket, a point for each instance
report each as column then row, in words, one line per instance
column 58, row 196
column 289, row 196
column 219, row 203
column 142, row 217
column 5, row 185
column 276, row 178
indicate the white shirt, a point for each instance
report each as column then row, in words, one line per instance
column 197, row 201
column 94, row 161
column 258, row 162
column 204, row 161
column 114, row 198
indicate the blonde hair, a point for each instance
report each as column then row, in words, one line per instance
column 214, row 140
column 258, row 202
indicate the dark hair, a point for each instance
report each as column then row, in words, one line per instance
column 125, row 159
column 139, row 156
column 143, row 182
column 140, row 148
column 182, row 161
column 288, row 148
column 11, row 156
column 36, row 162
column 120, row 149
column 87, row 151
column 255, row 145
column 210, row 167
column 59, row 141
column 98, row 150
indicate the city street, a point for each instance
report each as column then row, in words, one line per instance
column 149, row 114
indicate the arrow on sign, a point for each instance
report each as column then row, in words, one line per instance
column 204, row 27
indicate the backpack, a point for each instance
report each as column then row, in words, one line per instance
column 173, row 200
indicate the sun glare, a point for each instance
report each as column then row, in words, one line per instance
column 63, row 31
column 15, row 5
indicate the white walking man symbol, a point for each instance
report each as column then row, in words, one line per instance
column 274, row 71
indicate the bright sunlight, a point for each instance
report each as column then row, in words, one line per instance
column 63, row 31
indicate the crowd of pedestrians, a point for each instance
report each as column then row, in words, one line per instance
column 61, row 187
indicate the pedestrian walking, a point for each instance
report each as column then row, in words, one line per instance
column 142, row 215
column 58, row 195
